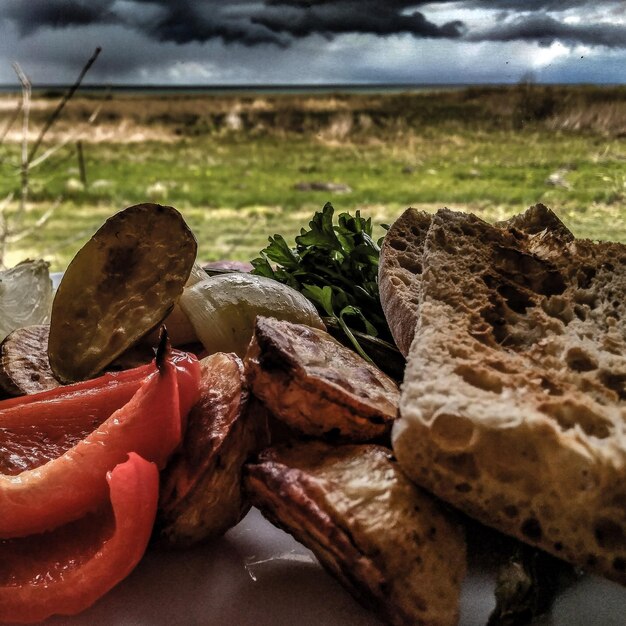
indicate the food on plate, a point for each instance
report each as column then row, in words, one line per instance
column 514, row 394
column 179, row 328
column 539, row 220
column 336, row 267
column 33, row 435
column 400, row 272
column 25, row 296
column 66, row 570
column 511, row 408
column 201, row 492
column 527, row 583
column 119, row 286
column 382, row 354
column 387, row 541
column 24, row 365
column 54, row 472
column 316, row 385
column 401, row 262
column 222, row 309
column 224, row 266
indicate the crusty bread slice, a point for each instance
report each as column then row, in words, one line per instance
column 399, row 274
column 514, row 400
column 400, row 268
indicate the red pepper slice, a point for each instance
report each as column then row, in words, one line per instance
column 72, row 484
column 43, row 428
column 67, row 570
column 83, row 388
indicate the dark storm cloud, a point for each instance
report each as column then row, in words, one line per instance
column 545, row 30
column 183, row 22
column 281, row 23
column 276, row 22
column 31, row 15
column 301, row 19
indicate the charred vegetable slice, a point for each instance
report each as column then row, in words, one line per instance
column 389, row 543
column 314, row 384
column 24, row 366
column 118, row 287
column 201, row 494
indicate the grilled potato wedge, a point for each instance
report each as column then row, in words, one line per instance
column 316, row 385
column 118, row 287
column 389, row 543
column 24, row 366
column 201, row 491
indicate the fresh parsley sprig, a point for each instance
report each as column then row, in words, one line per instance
column 336, row 267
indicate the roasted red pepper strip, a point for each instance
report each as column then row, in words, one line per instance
column 40, row 429
column 67, row 570
column 69, row 486
column 84, row 388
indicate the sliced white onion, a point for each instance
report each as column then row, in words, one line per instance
column 222, row 309
column 25, row 296
column 197, row 275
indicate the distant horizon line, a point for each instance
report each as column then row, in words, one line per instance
column 291, row 86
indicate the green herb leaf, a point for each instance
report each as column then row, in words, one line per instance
column 322, row 297
column 336, row 267
column 279, row 252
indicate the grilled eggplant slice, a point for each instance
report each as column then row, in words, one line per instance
column 24, row 366
column 201, row 492
column 119, row 286
column 316, row 385
column 389, row 543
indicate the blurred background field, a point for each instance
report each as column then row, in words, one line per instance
column 243, row 166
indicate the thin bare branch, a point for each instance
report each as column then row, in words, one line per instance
column 5, row 202
column 66, row 98
column 12, row 227
column 69, row 138
column 80, row 236
column 26, row 96
column 25, row 232
column 4, row 222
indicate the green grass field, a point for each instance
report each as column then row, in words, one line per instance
column 238, row 182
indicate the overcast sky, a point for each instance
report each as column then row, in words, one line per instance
column 332, row 41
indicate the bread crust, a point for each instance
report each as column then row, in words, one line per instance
column 400, row 272
column 514, row 400
column 401, row 261
column 538, row 220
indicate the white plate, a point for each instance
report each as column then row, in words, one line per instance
column 259, row 576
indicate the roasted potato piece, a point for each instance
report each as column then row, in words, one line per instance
column 316, row 385
column 24, row 366
column 201, row 487
column 118, row 287
column 388, row 542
